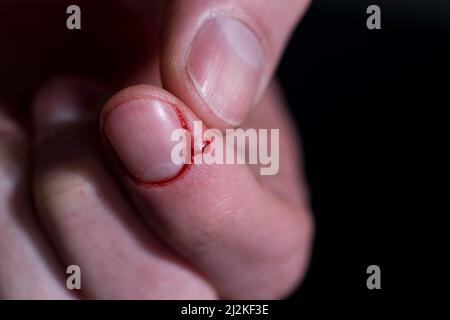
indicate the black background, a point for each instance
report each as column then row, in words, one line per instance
column 371, row 106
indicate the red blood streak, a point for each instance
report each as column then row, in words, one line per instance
column 164, row 182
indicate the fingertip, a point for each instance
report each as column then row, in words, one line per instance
column 142, row 91
column 137, row 125
column 64, row 101
column 219, row 56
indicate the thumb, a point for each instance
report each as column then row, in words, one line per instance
column 219, row 55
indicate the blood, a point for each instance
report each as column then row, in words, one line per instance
column 161, row 183
column 205, row 144
column 183, row 170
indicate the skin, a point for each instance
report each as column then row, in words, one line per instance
column 216, row 232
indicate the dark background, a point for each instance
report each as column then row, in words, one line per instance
column 371, row 107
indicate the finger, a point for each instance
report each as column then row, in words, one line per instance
column 91, row 223
column 28, row 268
column 219, row 55
column 244, row 238
column 289, row 182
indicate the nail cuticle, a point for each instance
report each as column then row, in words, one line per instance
column 137, row 180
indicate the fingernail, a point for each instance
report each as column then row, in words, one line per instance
column 140, row 133
column 226, row 65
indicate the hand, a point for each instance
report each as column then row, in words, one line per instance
column 216, row 231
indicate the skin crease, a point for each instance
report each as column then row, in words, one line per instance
column 137, row 241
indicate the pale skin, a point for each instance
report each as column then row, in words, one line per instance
column 219, row 231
